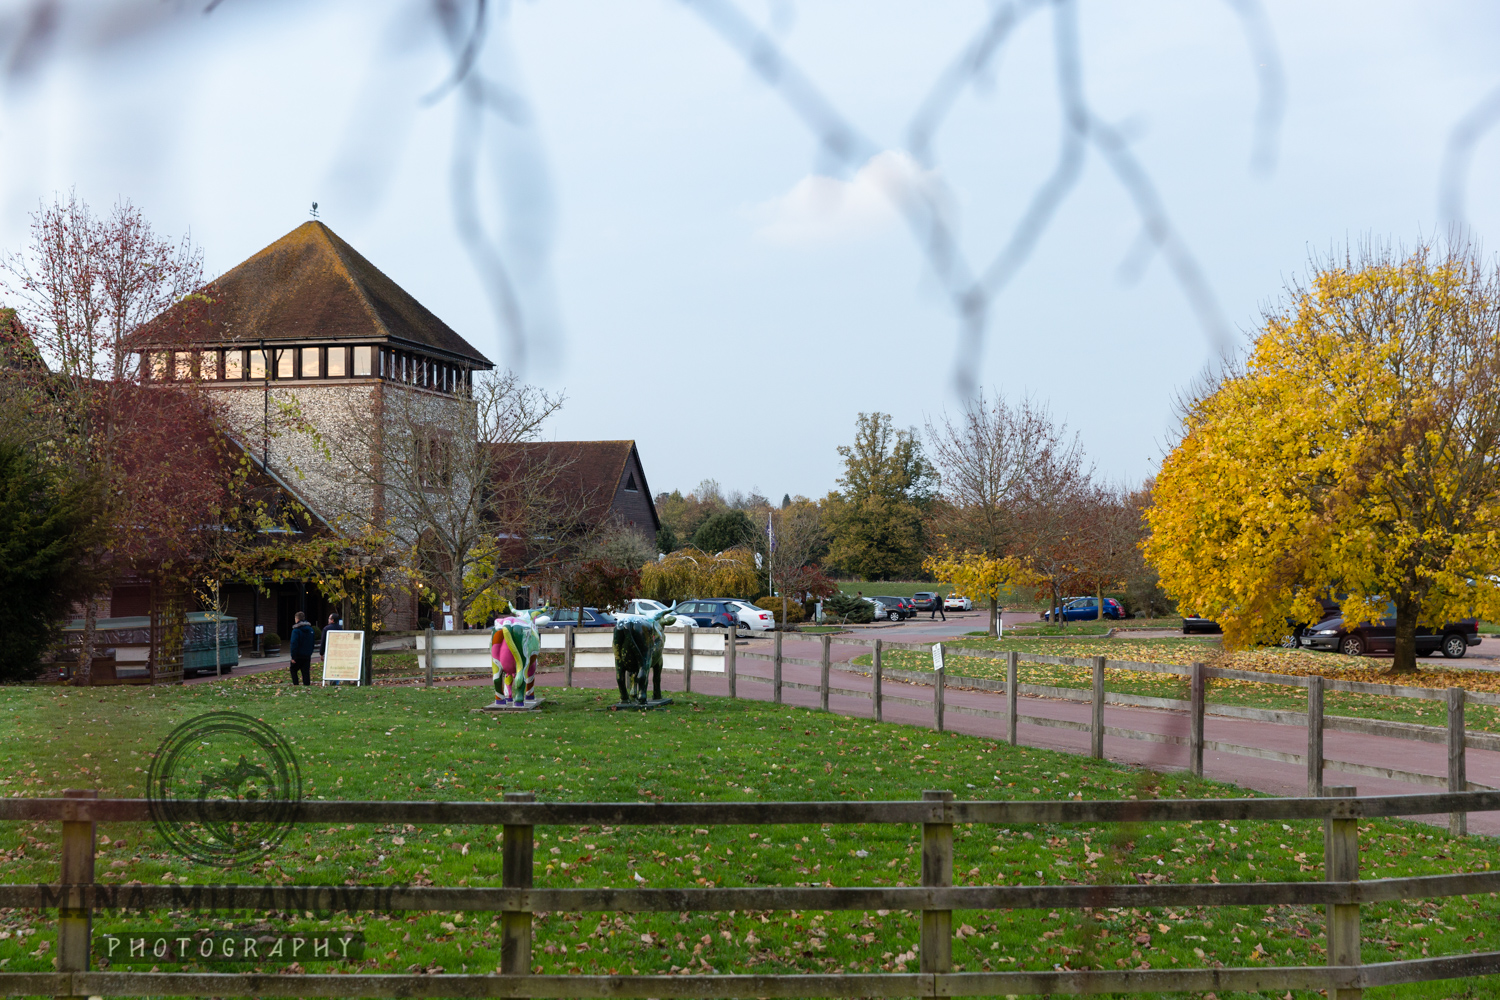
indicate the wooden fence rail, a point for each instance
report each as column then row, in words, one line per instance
column 1341, row 892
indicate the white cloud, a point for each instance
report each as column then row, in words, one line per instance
column 820, row 209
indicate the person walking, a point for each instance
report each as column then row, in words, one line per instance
column 937, row 608
column 303, row 642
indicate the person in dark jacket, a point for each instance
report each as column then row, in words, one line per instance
column 304, row 641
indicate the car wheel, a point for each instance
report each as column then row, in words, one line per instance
column 1352, row 645
column 1455, row 646
column 894, row 616
column 1290, row 641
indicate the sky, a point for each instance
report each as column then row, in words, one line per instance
column 694, row 269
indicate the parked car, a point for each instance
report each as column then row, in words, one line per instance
column 924, row 600
column 642, row 606
column 710, row 613
column 897, row 608
column 1193, row 623
column 1452, row 640
column 754, row 618
column 1295, row 638
column 957, row 602
column 560, row 617
column 1084, row 608
column 890, row 608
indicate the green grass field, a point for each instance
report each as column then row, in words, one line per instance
column 410, row 743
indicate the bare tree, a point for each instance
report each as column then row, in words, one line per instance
column 448, row 474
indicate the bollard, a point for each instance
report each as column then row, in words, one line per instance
column 875, row 693
column 937, row 698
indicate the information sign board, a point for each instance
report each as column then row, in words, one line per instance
column 343, row 656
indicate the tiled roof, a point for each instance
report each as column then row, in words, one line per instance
column 312, row 287
column 592, row 469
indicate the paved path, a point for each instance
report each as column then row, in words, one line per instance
column 1267, row 776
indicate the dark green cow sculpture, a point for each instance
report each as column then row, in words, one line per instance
column 638, row 646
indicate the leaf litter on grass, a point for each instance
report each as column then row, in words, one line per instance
column 407, row 743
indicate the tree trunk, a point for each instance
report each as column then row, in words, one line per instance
column 1406, row 641
column 1098, row 602
column 1054, row 614
column 84, row 670
column 994, row 613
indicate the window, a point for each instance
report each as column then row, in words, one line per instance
column 257, row 364
column 208, row 365
column 310, row 364
column 286, row 363
column 234, row 364
column 630, row 486
column 364, row 360
column 182, row 367
column 338, row 362
column 160, row 365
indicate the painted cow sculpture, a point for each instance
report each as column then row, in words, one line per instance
column 514, row 645
column 639, row 641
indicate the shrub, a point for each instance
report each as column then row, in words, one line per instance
column 795, row 612
column 849, row 609
column 270, row 640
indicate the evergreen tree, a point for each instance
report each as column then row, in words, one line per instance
column 887, row 487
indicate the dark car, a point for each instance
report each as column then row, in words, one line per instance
column 1294, row 639
column 1335, row 635
column 894, row 608
column 710, row 613
column 1084, row 609
column 924, row 600
column 592, row 618
column 1206, row 626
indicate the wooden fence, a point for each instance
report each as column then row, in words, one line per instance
column 1342, row 893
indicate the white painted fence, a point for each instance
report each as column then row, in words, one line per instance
column 592, row 649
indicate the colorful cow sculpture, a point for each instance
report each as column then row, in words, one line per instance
column 639, row 641
column 514, row 645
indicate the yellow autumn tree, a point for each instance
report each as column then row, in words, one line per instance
column 980, row 576
column 1353, row 452
column 689, row 572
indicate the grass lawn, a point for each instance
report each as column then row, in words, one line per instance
column 410, row 743
column 1433, row 674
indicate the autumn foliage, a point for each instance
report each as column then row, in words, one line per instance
column 1351, row 453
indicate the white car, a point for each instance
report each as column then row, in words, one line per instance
column 957, row 602
column 642, row 606
column 757, row 619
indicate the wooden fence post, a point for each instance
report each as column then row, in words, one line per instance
column 1314, row 736
column 687, row 656
column 730, row 649
column 515, row 873
column 75, row 923
column 568, row 647
column 430, row 643
column 823, row 666
column 1096, row 723
column 938, row 690
column 1341, row 864
column 1458, row 777
column 875, row 693
column 776, row 670
column 1012, row 660
column 1195, row 725
column 936, row 955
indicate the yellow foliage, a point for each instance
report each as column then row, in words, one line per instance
column 977, row 575
column 489, row 603
column 689, row 572
column 1352, row 454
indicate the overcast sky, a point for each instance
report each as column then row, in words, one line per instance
column 699, row 282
